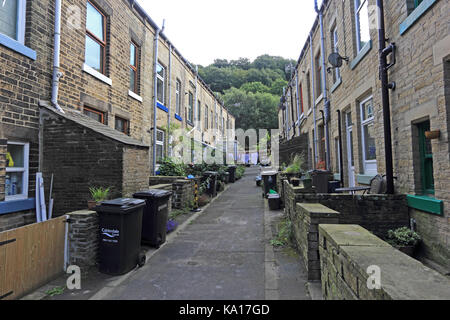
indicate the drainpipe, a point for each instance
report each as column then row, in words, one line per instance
column 385, row 86
column 170, row 99
column 341, row 162
column 313, row 77
column 155, row 94
column 324, row 86
column 196, row 111
column 298, row 101
column 56, row 56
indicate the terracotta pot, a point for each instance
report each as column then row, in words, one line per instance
column 432, row 134
column 92, row 204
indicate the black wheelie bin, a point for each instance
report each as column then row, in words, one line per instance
column 212, row 182
column 156, row 212
column 120, row 225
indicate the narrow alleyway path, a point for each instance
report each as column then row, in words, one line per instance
column 220, row 255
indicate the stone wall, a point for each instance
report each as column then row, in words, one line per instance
column 348, row 251
column 377, row 213
column 306, row 222
column 3, row 150
column 83, row 238
column 17, row 219
column 183, row 190
column 298, row 145
column 136, row 170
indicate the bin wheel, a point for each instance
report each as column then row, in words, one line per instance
column 141, row 260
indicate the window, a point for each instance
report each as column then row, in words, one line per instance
column 308, row 83
column 301, row 100
column 178, row 98
column 95, row 54
column 417, row 2
column 426, row 159
column 335, row 48
column 199, row 111
column 362, row 23
column 134, row 67
column 12, row 19
column 212, row 119
column 122, row 125
column 318, row 66
column 191, row 107
column 368, row 137
column 95, row 114
column 160, row 89
column 17, row 159
column 159, row 145
column 206, row 117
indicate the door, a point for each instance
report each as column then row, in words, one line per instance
column 350, row 151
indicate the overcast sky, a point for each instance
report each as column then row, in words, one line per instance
column 204, row 30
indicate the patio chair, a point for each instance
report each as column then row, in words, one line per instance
column 377, row 185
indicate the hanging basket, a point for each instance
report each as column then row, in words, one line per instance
column 430, row 135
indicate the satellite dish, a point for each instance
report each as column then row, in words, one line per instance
column 335, row 59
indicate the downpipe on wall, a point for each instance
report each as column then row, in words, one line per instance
column 155, row 94
column 56, row 56
column 313, row 79
column 324, row 86
column 385, row 86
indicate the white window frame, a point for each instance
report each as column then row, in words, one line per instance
column 335, row 36
column 178, row 97
column 370, row 166
column 163, row 79
column 20, row 21
column 357, row 21
column 160, row 142
column 24, row 170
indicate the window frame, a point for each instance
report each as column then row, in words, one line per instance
column 102, row 44
column 370, row 166
column 318, row 68
column 126, row 125
column 302, row 107
column 135, row 68
column 335, row 44
column 190, row 115
column 163, row 79
column 25, row 172
column 427, row 182
column 359, row 47
column 92, row 110
column 20, row 22
column 178, row 97
column 206, row 117
column 161, row 142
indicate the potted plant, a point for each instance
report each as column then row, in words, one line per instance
column 307, row 181
column 294, row 169
column 404, row 239
column 98, row 194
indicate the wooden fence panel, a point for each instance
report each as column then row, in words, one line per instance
column 30, row 257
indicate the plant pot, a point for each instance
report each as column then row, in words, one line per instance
column 307, row 183
column 409, row 250
column 295, row 182
column 430, row 135
column 92, row 204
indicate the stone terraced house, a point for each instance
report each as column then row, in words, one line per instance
column 88, row 119
column 419, row 105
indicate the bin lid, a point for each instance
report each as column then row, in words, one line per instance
column 269, row 173
column 274, row 196
column 210, row 173
column 152, row 194
column 121, row 205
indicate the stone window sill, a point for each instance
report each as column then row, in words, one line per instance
column 135, row 96
column 319, row 99
column 415, row 15
column 336, row 85
column 362, row 53
column 17, row 205
column 97, row 74
column 17, row 47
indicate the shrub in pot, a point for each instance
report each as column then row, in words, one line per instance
column 404, row 239
column 98, row 194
